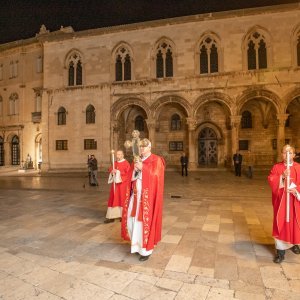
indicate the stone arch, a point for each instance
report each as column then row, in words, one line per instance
column 120, row 105
column 264, row 94
column 212, row 125
column 292, row 95
column 170, row 99
column 222, row 98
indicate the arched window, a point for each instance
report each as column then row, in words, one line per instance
column 209, row 58
column 164, row 60
column 175, row 122
column 13, row 104
column 74, row 70
column 123, row 64
column 298, row 51
column 61, row 116
column 139, row 123
column 90, row 115
column 1, row 151
column 256, row 51
column 15, row 151
column 246, row 121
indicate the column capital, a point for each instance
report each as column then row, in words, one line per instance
column 150, row 123
column 192, row 123
column 281, row 118
column 235, row 120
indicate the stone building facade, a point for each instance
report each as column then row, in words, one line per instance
column 205, row 84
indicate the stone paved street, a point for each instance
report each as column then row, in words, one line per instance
column 216, row 242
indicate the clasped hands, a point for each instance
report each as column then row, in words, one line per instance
column 138, row 166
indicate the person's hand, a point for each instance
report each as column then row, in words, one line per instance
column 138, row 166
column 293, row 191
column 113, row 171
column 286, row 173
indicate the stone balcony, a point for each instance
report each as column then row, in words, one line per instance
column 36, row 117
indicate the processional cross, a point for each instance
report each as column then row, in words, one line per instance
column 134, row 144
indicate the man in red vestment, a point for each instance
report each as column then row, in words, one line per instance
column 119, row 190
column 142, row 211
column 286, row 226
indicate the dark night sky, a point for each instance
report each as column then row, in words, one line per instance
column 20, row 19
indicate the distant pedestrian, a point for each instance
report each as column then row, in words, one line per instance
column 251, row 162
column 237, row 160
column 184, row 164
column 93, row 168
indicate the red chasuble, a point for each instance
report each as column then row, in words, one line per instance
column 282, row 230
column 118, row 196
column 151, row 202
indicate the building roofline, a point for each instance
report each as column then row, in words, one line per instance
column 62, row 33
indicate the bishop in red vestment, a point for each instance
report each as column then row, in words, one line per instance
column 286, row 230
column 142, row 212
column 119, row 179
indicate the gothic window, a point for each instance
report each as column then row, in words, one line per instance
column 175, row 122
column 139, row 123
column 13, row 104
column 74, row 70
column 90, row 115
column 123, row 64
column 246, row 121
column 256, row 51
column 15, row 151
column 164, row 61
column 209, row 59
column 1, row 151
column 298, row 52
column 61, row 116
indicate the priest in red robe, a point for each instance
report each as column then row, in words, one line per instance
column 120, row 180
column 286, row 226
column 142, row 212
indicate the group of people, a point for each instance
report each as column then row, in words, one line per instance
column 136, row 198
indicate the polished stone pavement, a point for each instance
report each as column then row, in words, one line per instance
column 216, row 242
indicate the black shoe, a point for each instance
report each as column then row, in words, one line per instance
column 109, row 221
column 279, row 256
column 144, row 258
column 296, row 249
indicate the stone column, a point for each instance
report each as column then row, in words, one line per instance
column 151, row 130
column 46, row 102
column 281, row 118
column 192, row 143
column 235, row 124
